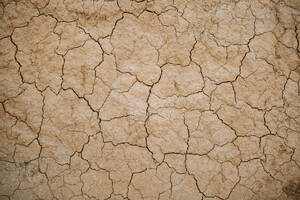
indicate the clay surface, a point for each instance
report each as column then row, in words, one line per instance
column 150, row 99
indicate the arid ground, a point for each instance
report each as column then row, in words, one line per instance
column 150, row 99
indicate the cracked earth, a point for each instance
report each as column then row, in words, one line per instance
column 157, row 99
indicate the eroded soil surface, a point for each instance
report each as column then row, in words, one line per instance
column 157, row 99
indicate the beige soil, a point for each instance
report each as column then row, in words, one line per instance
column 150, row 99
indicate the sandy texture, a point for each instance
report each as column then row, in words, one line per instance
column 150, row 99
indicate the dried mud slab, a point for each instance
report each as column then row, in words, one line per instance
column 156, row 99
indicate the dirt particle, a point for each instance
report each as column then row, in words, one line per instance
column 292, row 189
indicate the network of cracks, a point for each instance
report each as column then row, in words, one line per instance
column 156, row 99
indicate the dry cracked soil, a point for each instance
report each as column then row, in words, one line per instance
column 150, row 99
